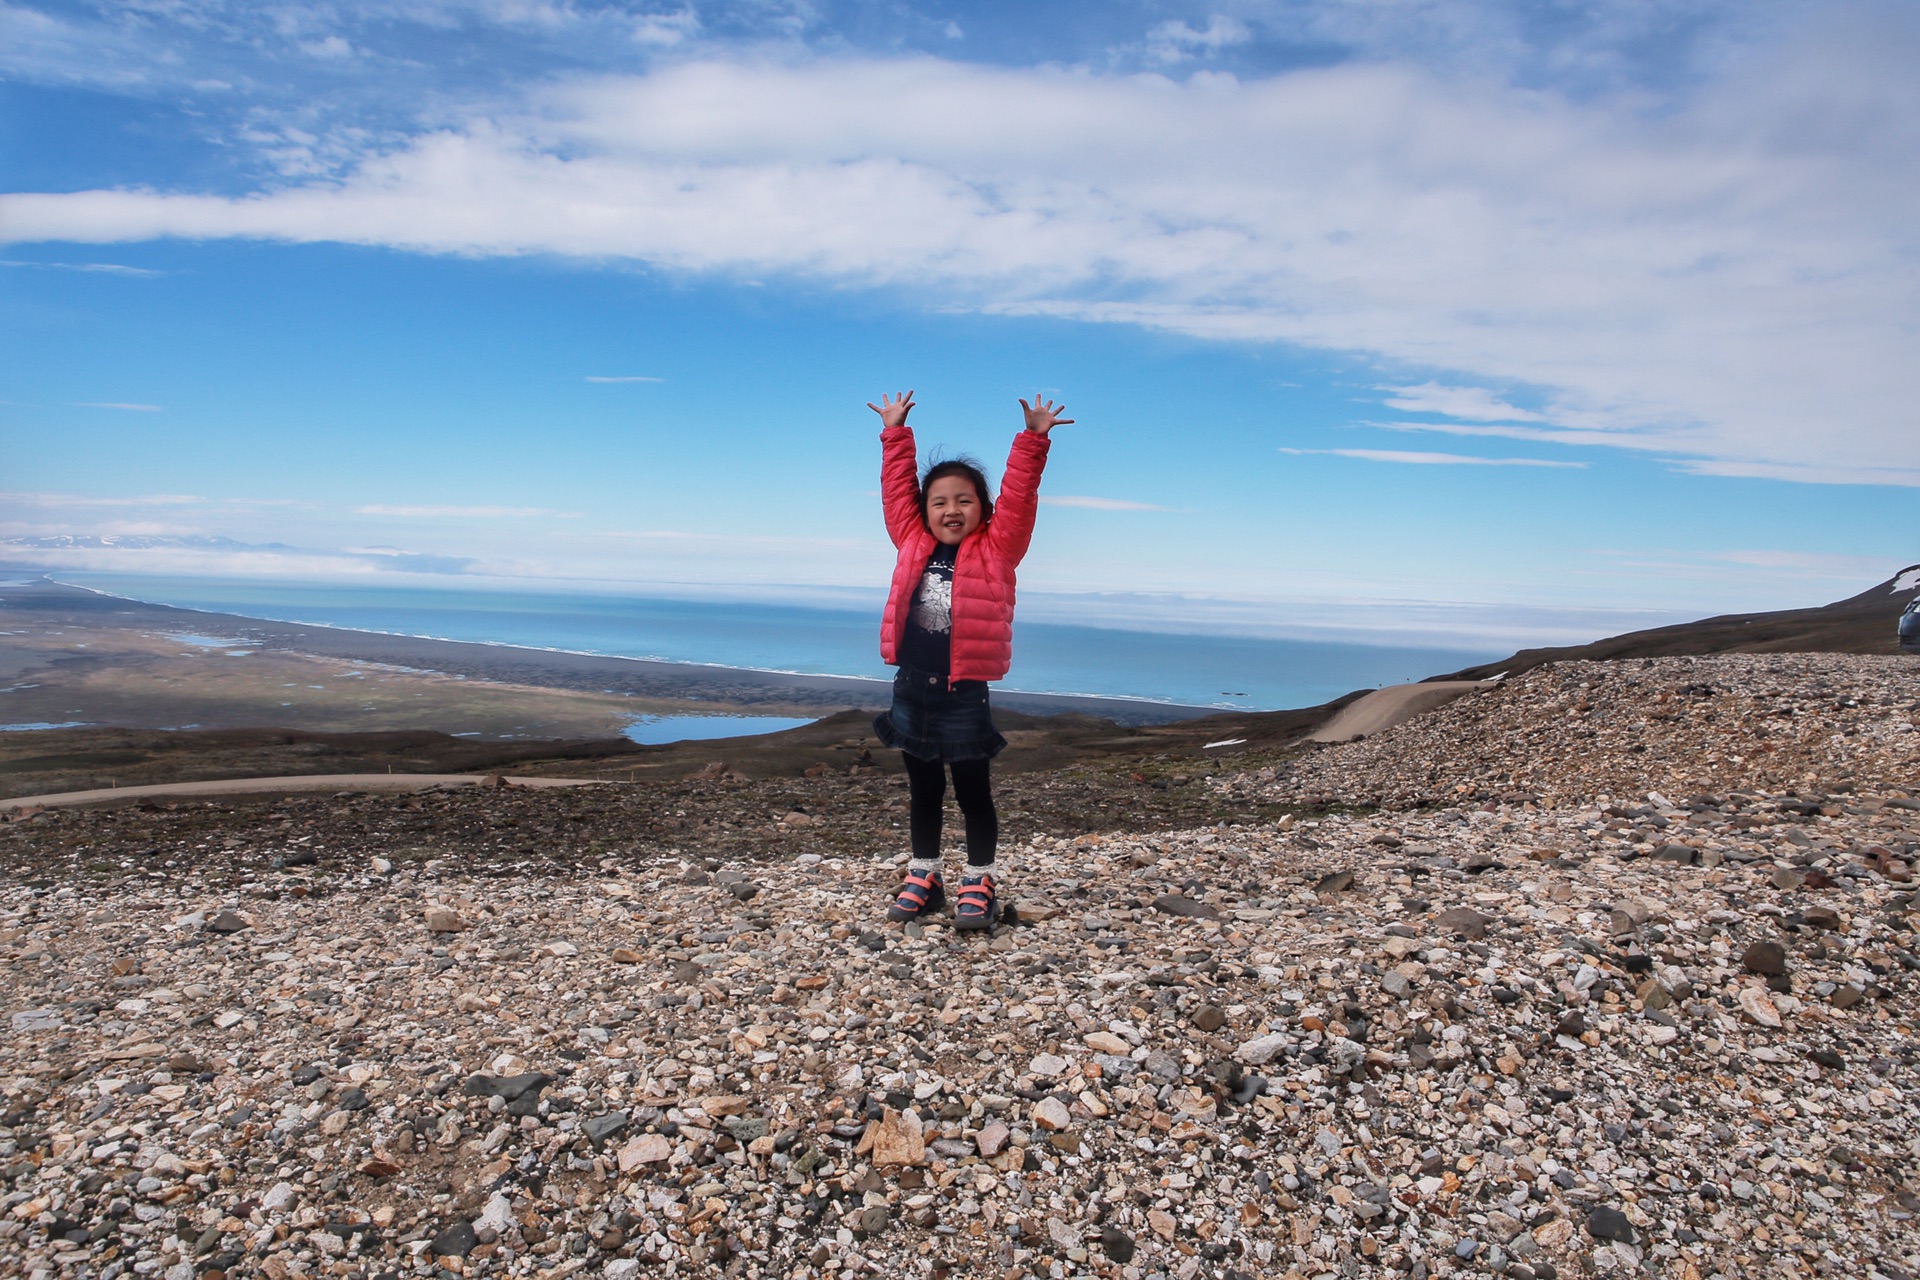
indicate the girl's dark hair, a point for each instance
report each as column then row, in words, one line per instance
column 961, row 466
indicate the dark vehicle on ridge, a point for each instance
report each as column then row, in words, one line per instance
column 1910, row 627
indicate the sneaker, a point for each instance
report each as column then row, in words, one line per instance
column 921, row 893
column 975, row 907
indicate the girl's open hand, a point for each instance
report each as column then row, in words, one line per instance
column 1043, row 417
column 893, row 412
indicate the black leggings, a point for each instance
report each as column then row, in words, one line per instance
column 927, row 789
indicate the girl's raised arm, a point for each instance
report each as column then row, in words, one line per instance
column 1013, row 516
column 899, row 468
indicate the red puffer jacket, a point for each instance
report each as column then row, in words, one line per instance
column 983, row 578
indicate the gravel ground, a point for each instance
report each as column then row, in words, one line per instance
column 1529, row 1003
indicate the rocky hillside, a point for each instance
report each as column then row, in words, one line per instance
column 1558, row 1008
column 1866, row 623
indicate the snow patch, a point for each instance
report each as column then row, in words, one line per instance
column 1909, row 580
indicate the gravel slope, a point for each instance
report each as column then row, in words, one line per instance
column 1499, row 1010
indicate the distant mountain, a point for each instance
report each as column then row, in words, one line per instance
column 1866, row 623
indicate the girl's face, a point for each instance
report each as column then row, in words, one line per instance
column 953, row 509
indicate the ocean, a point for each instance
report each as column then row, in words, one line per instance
column 1240, row 672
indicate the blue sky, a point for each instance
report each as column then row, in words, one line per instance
column 1556, row 317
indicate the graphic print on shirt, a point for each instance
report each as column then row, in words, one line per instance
column 933, row 603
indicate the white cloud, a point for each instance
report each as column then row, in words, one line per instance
column 1174, row 40
column 101, row 268
column 626, row 378
column 1475, row 404
column 1433, row 459
column 90, row 500
column 328, row 48
column 1098, row 504
column 1724, row 278
column 665, row 30
column 457, row 512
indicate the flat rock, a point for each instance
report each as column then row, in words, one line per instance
column 898, row 1138
column 644, row 1149
column 1261, row 1050
column 1463, row 922
column 1175, row 904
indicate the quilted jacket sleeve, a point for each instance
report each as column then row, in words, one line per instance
column 1013, row 515
column 899, row 482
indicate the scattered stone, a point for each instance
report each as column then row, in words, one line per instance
column 1051, row 1114
column 1175, row 904
column 1610, row 1224
column 1767, row 958
column 1209, row 1017
column 1463, row 922
column 644, row 1149
column 228, row 922
column 1262, row 1049
column 456, row 1240
column 897, row 1138
column 1758, row 1005
column 1334, row 882
column 444, row 920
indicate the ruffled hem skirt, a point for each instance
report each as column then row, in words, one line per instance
column 933, row 721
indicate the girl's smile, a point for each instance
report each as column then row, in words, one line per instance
column 953, row 509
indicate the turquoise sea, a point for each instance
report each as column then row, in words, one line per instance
column 1200, row 670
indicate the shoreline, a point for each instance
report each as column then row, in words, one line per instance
column 723, row 687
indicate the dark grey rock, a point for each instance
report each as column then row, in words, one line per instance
column 1609, row 1224
column 1117, row 1243
column 227, row 922
column 1175, row 904
column 599, row 1128
column 457, row 1240
column 510, row 1088
column 1769, row 958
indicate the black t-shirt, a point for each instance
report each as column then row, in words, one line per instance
column 927, row 643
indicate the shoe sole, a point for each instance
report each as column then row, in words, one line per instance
column 970, row 924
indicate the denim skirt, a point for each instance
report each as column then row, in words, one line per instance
column 934, row 722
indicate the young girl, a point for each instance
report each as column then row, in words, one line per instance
column 949, row 629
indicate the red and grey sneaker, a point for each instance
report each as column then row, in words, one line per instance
column 974, row 906
column 921, row 894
